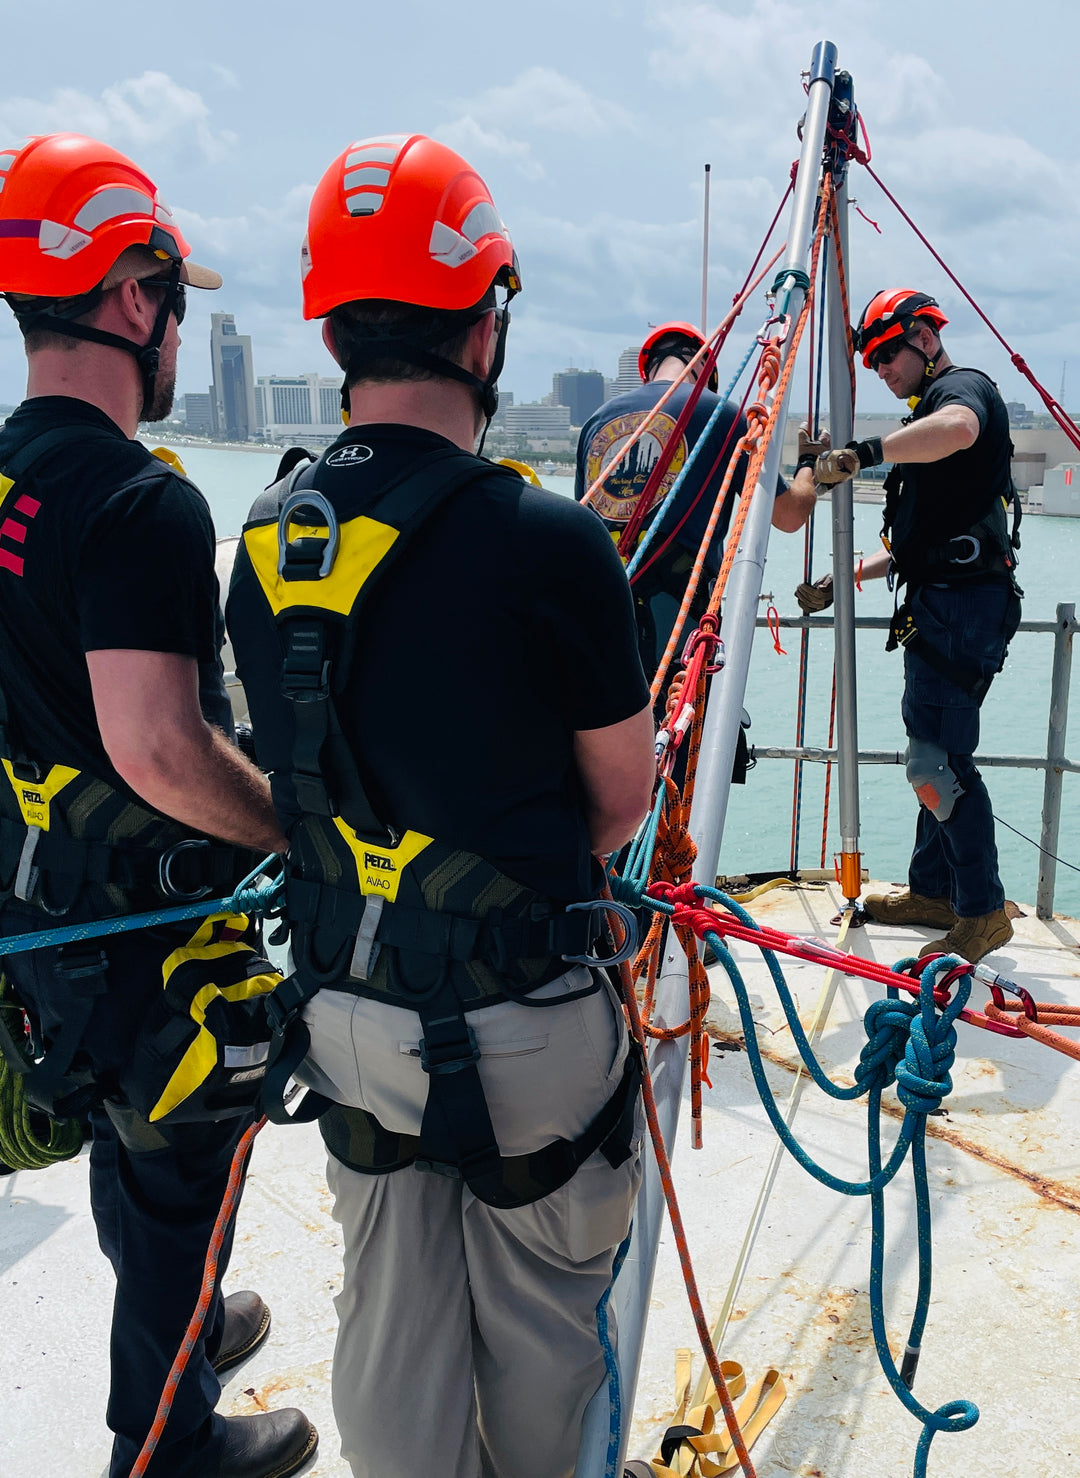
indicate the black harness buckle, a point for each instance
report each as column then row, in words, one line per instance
column 444, row 1049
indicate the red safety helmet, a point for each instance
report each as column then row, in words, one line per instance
column 403, row 218
column 892, row 314
column 69, row 206
column 675, row 328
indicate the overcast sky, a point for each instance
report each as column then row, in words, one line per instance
column 591, row 121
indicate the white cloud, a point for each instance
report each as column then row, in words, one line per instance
column 149, row 112
column 539, row 100
column 226, row 76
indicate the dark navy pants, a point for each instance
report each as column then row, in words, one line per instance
column 970, row 624
column 155, row 1195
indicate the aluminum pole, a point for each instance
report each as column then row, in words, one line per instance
column 705, row 259
column 667, row 1060
column 841, row 427
column 724, row 713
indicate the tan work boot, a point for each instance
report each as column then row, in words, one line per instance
column 907, row 907
column 973, row 938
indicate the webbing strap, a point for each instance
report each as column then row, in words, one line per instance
column 49, row 1085
column 312, row 668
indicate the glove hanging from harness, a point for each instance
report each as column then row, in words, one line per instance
column 400, row 916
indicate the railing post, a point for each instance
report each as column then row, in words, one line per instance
column 1055, row 750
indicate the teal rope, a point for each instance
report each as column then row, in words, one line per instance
column 249, row 897
column 910, row 1043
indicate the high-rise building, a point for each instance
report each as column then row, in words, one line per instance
column 581, row 390
column 628, row 377
column 199, row 414
column 233, row 390
column 297, row 406
column 537, row 420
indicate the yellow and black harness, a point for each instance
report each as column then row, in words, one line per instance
column 75, row 848
column 400, row 917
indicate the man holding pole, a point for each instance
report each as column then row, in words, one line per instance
column 947, row 540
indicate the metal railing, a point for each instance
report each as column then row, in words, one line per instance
column 1054, row 763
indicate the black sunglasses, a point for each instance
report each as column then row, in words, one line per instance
column 179, row 298
column 887, row 352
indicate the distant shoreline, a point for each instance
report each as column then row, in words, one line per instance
column 195, row 443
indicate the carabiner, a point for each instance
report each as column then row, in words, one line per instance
column 629, row 923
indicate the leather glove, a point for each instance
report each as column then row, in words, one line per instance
column 837, row 466
column 810, row 451
column 816, row 597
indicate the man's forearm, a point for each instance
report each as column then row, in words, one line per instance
column 949, row 430
column 875, row 566
column 205, row 782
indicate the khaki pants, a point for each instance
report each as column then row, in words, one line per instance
column 467, row 1341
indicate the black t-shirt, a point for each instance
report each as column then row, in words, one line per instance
column 90, row 561
column 943, row 499
column 504, row 627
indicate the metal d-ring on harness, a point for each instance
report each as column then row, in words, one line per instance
column 398, row 916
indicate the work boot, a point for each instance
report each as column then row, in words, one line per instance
column 907, row 907
column 973, row 938
column 271, row 1444
column 247, row 1323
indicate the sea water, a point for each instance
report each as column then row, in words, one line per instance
column 759, row 822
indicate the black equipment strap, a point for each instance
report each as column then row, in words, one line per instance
column 50, row 1085
column 307, row 672
column 18, row 463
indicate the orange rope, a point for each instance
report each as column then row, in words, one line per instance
column 729, row 318
column 206, row 1293
column 678, row 1228
column 1012, row 1014
column 761, row 422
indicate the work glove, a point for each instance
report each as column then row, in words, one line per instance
column 809, row 450
column 816, row 597
column 833, row 467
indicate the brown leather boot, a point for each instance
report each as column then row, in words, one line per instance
column 906, row 907
column 973, row 938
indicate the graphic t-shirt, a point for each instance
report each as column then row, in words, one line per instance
column 90, row 561
column 505, row 626
column 606, row 433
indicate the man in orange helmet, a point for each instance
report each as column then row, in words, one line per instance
column 127, row 792
column 711, row 435
column 947, row 540
column 443, row 677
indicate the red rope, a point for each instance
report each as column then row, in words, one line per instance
column 1061, row 417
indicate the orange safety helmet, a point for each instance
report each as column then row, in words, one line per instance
column 675, row 328
column 403, row 218
column 891, row 314
column 69, row 206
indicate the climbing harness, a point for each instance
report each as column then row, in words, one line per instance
column 402, row 917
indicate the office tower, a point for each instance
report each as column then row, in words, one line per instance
column 233, row 390
column 199, row 414
column 581, row 390
column 628, row 377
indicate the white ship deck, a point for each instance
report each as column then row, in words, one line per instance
column 1005, row 1181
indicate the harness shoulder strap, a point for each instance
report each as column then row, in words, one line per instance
column 20, row 461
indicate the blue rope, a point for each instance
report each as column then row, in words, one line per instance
column 249, row 897
column 684, row 470
column 913, row 1044
column 611, row 1363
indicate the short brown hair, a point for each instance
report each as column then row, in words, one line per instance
column 358, row 328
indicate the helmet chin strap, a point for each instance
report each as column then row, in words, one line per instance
column 391, row 346
column 147, row 356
